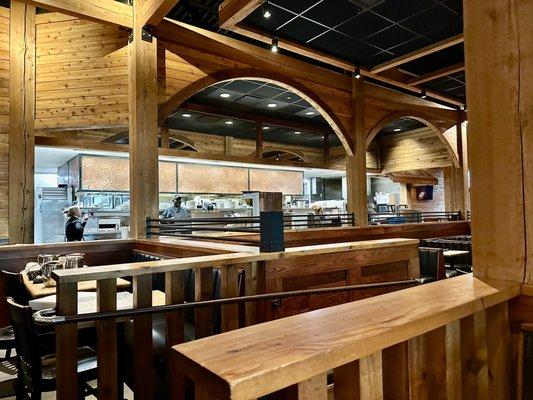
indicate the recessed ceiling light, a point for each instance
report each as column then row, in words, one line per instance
column 397, row 129
column 266, row 128
column 186, row 115
column 297, row 132
column 272, row 105
column 288, row 98
column 310, row 113
column 225, row 95
column 274, row 46
column 228, row 122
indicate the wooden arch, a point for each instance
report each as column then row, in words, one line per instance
column 424, row 118
column 273, row 149
column 166, row 109
column 183, row 139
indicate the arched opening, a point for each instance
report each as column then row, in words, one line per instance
column 411, row 155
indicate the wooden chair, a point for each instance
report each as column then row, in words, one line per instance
column 14, row 289
column 37, row 374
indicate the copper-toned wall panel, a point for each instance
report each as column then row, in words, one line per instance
column 105, row 173
column 167, row 177
column 112, row 173
column 198, row 178
column 286, row 182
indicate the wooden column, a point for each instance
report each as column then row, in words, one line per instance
column 144, row 182
column 165, row 138
column 454, row 189
column 21, row 122
column 356, row 164
column 500, row 75
column 258, row 139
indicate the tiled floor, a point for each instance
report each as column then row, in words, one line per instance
column 52, row 395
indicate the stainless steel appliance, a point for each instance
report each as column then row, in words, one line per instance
column 49, row 217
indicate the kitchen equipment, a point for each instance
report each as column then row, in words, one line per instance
column 44, row 258
column 46, row 270
column 49, row 217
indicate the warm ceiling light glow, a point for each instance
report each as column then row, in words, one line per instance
column 267, row 12
column 289, row 98
column 397, row 130
column 266, row 128
column 186, row 115
column 272, row 105
column 274, row 46
column 228, row 122
column 225, row 95
column 357, row 73
column 310, row 113
column 424, row 94
column 297, row 132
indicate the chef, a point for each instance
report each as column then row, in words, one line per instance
column 75, row 225
column 176, row 211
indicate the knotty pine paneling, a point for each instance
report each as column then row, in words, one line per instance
column 415, row 149
column 82, row 74
column 4, row 119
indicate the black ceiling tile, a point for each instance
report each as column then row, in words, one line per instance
column 303, row 103
column 287, row 97
column 242, row 86
column 459, row 76
column 426, row 21
column 292, row 109
column 378, row 58
column 301, row 30
column 456, row 5
column 390, row 37
column 397, row 10
column 332, row 12
column 278, row 18
column 445, row 32
column 249, row 100
column 266, row 92
column 440, row 59
column 358, row 52
column 363, row 25
column 407, row 47
column 296, row 6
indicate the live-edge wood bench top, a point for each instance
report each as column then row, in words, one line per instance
column 260, row 359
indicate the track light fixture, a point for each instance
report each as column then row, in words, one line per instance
column 423, row 95
column 274, row 47
column 267, row 12
column 357, row 73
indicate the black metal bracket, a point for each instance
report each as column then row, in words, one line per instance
column 147, row 34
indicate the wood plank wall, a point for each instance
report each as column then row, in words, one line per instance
column 82, row 73
column 4, row 119
column 415, row 149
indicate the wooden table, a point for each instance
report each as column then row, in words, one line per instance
column 87, row 301
column 37, row 290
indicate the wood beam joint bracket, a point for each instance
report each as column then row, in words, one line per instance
column 147, row 33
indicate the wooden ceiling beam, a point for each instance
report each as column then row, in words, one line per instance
column 103, row 11
column 154, row 11
column 224, row 112
column 414, row 55
column 431, row 76
column 294, row 47
column 231, row 12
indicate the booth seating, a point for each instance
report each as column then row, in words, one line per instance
column 462, row 263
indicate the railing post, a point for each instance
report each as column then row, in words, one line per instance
column 271, row 231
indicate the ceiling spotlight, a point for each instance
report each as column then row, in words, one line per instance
column 228, row 122
column 267, row 12
column 297, row 132
column 266, row 128
column 423, row 95
column 288, row 98
column 274, row 46
column 272, row 105
column 225, row 95
column 186, row 115
column 357, row 73
column 310, row 113
column 397, row 130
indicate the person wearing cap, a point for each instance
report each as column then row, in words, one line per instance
column 175, row 211
column 74, row 226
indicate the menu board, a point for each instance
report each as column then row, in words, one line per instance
column 286, row 182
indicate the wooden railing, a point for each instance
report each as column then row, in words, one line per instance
column 255, row 266
column 445, row 340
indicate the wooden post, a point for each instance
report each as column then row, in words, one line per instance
column 165, row 138
column 258, row 139
column 144, row 182
column 356, row 164
column 454, row 190
column 228, row 145
column 501, row 144
column 21, row 122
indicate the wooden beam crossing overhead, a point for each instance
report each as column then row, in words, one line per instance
column 297, row 48
column 231, row 12
column 21, row 123
column 224, row 112
column 431, row 76
column 433, row 48
column 154, row 11
column 103, row 11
